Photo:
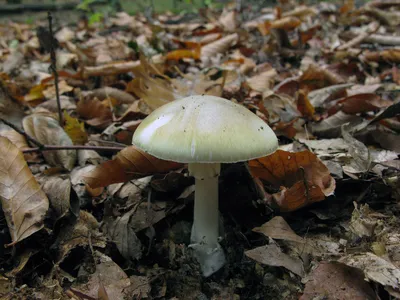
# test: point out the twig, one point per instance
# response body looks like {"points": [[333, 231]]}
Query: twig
{"points": [[32, 140], [53, 68], [74, 147]]}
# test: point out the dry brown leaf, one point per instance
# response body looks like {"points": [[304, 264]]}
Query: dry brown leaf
{"points": [[335, 280], [96, 112], [278, 228], [362, 103], [58, 191], [302, 177], [47, 131], [16, 138], [263, 81], [272, 255], [120, 230], [229, 21], [24, 203], [154, 90], [128, 164], [316, 77], [110, 69], [304, 106], [219, 46], [300, 12], [63, 87], [109, 92], [109, 281]]}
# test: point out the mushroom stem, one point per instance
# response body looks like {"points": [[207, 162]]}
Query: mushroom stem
{"points": [[205, 231]]}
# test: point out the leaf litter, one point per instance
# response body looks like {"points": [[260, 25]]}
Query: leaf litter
{"points": [[89, 216]]}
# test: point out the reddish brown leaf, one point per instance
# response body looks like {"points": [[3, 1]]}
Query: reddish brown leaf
{"points": [[128, 164], [316, 77], [304, 106], [303, 178], [362, 103], [96, 112]]}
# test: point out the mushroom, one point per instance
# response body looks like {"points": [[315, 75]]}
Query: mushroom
{"points": [[205, 131]]}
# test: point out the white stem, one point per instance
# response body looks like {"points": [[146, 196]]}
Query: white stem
{"points": [[205, 231], [205, 217]]}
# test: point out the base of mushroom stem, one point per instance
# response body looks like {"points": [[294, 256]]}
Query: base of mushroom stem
{"points": [[211, 259]]}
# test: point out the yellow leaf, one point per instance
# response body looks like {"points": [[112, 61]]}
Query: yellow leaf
{"points": [[35, 93], [75, 129]]}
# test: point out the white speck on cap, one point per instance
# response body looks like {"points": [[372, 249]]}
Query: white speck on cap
{"points": [[204, 129]]}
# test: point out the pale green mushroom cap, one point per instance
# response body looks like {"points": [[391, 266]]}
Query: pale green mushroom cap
{"points": [[205, 129]]}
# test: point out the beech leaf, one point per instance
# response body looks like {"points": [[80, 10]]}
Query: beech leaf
{"points": [[302, 177], [128, 164], [23, 202], [47, 131]]}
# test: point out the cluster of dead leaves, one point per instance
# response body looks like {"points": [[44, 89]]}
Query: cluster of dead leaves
{"points": [[324, 77]]}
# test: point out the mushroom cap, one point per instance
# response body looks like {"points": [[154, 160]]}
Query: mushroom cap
{"points": [[204, 129]]}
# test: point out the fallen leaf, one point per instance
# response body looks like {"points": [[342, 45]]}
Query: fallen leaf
{"points": [[278, 228], [361, 158], [219, 46], [61, 197], [316, 77], [263, 81], [375, 269], [122, 233], [304, 106], [336, 280], [272, 255], [35, 93], [96, 112], [130, 163], [63, 87], [109, 275], [362, 103], [109, 92], [83, 233], [75, 129], [184, 53], [303, 178], [24, 203], [47, 131]]}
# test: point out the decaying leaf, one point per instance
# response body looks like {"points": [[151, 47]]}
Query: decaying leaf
{"points": [[128, 164], [337, 281], [98, 113], [110, 278], [219, 46], [122, 233], [83, 233], [362, 103], [47, 131], [59, 191], [277, 228], [361, 158], [272, 255], [303, 178], [23, 202], [375, 269]]}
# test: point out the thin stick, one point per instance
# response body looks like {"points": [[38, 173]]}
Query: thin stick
{"points": [[53, 68], [29, 138], [74, 147]]}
